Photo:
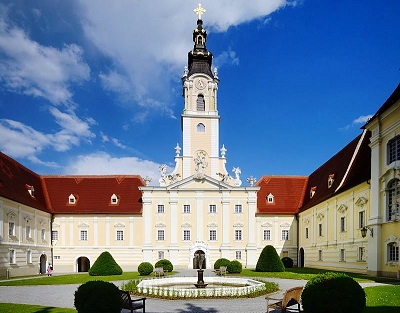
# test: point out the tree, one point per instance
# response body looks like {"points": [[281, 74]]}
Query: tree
{"points": [[269, 261], [105, 265]]}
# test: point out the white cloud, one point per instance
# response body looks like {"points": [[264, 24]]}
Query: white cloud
{"points": [[226, 57], [30, 68], [148, 41], [21, 141], [361, 120], [102, 163]]}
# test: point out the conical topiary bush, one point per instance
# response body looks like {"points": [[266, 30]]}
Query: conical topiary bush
{"points": [[105, 265], [269, 261]]}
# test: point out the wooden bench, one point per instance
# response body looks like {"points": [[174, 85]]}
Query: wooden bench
{"points": [[131, 305], [159, 271], [291, 297], [221, 271]]}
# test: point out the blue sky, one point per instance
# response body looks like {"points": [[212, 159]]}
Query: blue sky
{"points": [[93, 87]]}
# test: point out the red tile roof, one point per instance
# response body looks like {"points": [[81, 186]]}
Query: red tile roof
{"points": [[351, 167], [93, 194], [288, 192], [15, 182]]}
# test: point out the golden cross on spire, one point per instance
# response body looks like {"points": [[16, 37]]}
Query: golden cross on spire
{"points": [[199, 11]]}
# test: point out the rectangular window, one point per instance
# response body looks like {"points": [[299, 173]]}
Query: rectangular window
{"points": [[213, 208], [84, 235], [29, 256], [186, 235], [238, 234], [43, 234], [186, 208], [361, 253], [361, 219], [285, 234], [342, 255], [54, 235], [393, 253], [238, 255], [160, 235], [320, 230], [238, 208], [11, 228], [12, 256], [161, 255], [120, 235], [57, 257], [160, 208], [306, 232], [267, 234], [393, 149], [213, 235], [319, 255], [342, 224], [28, 231]]}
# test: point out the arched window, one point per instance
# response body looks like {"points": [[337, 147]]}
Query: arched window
{"points": [[201, 128], [393, 200], [201, 106]]}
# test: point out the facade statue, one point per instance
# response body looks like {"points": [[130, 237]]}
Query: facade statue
{"points": [[237, 172], [201, 164], [163, 173]]}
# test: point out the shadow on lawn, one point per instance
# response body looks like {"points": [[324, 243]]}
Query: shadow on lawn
{"points": [[382, 309]]}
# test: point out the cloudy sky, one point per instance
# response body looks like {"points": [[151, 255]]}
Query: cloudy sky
{"points": [[94, 87]]}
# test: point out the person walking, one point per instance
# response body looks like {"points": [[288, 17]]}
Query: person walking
{"points": [[49, 270]]}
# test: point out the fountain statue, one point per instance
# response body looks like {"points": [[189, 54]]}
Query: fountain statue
{"points": [[200, 281]]}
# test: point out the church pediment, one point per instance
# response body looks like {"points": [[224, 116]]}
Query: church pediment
{"points": [[192, 183]]}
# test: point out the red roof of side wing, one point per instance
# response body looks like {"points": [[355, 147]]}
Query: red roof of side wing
{"points": [[93, 194], [20, 184], [287, 192]]}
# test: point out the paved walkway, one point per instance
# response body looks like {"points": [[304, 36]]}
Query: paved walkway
{"points": [[63, 296]]}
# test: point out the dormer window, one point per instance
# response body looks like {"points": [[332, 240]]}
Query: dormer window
{"points": [[331, 179], [114, 199], [312, 191], [270, 198], [72, 199], [31, 190]]}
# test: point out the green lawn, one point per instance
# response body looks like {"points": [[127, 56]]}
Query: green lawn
{"points": [[383, 299], [67, 279], [25, 308]]}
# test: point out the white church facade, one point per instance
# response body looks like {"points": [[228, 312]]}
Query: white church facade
{"points": [[203, 206]]}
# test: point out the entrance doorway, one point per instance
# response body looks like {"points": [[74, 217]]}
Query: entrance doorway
{"points": [[83, 264], [42, 264], [301, 257], [195, 260]]}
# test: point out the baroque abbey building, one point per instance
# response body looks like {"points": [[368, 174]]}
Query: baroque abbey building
{"points": [[343, 216]]}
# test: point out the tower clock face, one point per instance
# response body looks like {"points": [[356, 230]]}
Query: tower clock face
{"points": [[200, 84]]}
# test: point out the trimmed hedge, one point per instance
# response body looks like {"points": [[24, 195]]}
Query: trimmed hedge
{"points": [[269, 261], [145, 268], [97, 296], [287, 262], [105, 265], [234, 267], [221, 262], [165, 264], [333, 293]]}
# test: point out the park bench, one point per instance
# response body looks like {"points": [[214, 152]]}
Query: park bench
{"points": [[221, 271], [159, 271], [291, 297], [131, 305]]}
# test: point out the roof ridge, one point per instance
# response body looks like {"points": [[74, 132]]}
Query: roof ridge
{"points": [[352, 160]]}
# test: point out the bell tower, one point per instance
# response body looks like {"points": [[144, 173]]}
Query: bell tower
{"points": [[200, 119]]}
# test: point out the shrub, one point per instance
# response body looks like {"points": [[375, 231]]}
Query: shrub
{"points": [[105, 265], [165, 264], [333, 293], [287, 262], [221, 262], [97, 296], [234, 267], [145, 268], [269, 261]]}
